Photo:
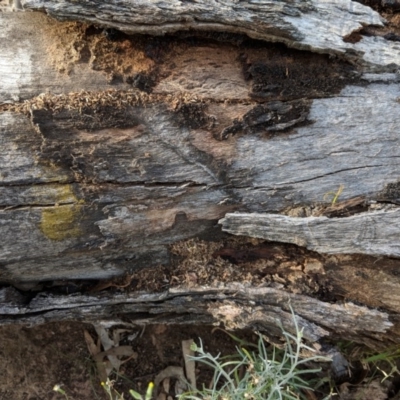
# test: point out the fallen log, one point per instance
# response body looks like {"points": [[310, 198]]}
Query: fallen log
{"points": [[117, 149], [237, 306]]}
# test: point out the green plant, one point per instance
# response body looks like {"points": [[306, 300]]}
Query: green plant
{"points": [[59, 389], [108, 386], [335, 195], [384, 363], [259, 374], [147, 396]]}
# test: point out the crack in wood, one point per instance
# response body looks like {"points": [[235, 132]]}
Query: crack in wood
{"points": [[31, 206], [332, 173], [315, 317]]}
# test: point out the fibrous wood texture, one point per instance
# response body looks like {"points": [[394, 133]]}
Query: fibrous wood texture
{"points": [[114, 148], [267, 308], [313, 25], [373, 233]]}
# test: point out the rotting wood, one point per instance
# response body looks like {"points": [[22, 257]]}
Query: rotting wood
{"points": [[235, 305], [102, 181], [80, 187], [74, 56], [306, 25]]}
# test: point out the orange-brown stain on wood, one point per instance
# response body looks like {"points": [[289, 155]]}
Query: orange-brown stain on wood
{"points": [[207, 71], [69, 43]]}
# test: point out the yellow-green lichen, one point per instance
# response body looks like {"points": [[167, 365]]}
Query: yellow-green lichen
{"points": [[62, 221]]}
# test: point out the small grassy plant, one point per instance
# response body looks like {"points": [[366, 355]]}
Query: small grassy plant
{"points": [[259, 374]]}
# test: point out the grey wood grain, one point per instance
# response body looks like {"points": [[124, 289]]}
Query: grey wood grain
{"points": [[119, 211], [373, 233], [97, 193], [314, 25], [155, 183], [350, 142], [25, 66], [234, 305]]}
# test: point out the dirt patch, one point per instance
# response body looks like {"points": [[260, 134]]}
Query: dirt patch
{"points": [[35, 359], [159, 347]]}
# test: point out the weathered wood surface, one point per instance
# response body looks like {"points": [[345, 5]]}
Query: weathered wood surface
{"points": [[117, 199], [172, 134], [319, 26], [373, 233], [31, 51], [235, 305]]}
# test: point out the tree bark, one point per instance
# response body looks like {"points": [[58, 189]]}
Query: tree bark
{"points": [[277, 119]]}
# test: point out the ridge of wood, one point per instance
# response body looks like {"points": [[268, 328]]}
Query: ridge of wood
{"points": [[236, 305], [318, 26], [373, 233]]}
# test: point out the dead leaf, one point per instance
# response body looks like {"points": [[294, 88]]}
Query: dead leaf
{"points": [[107, 345], [118, 352], [112, 351], [166, 385], [373, 390], [170, 372], [189, 363], [92, 347]]}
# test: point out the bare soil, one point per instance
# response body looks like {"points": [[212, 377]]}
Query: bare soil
{"points": [[35, 359]]}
